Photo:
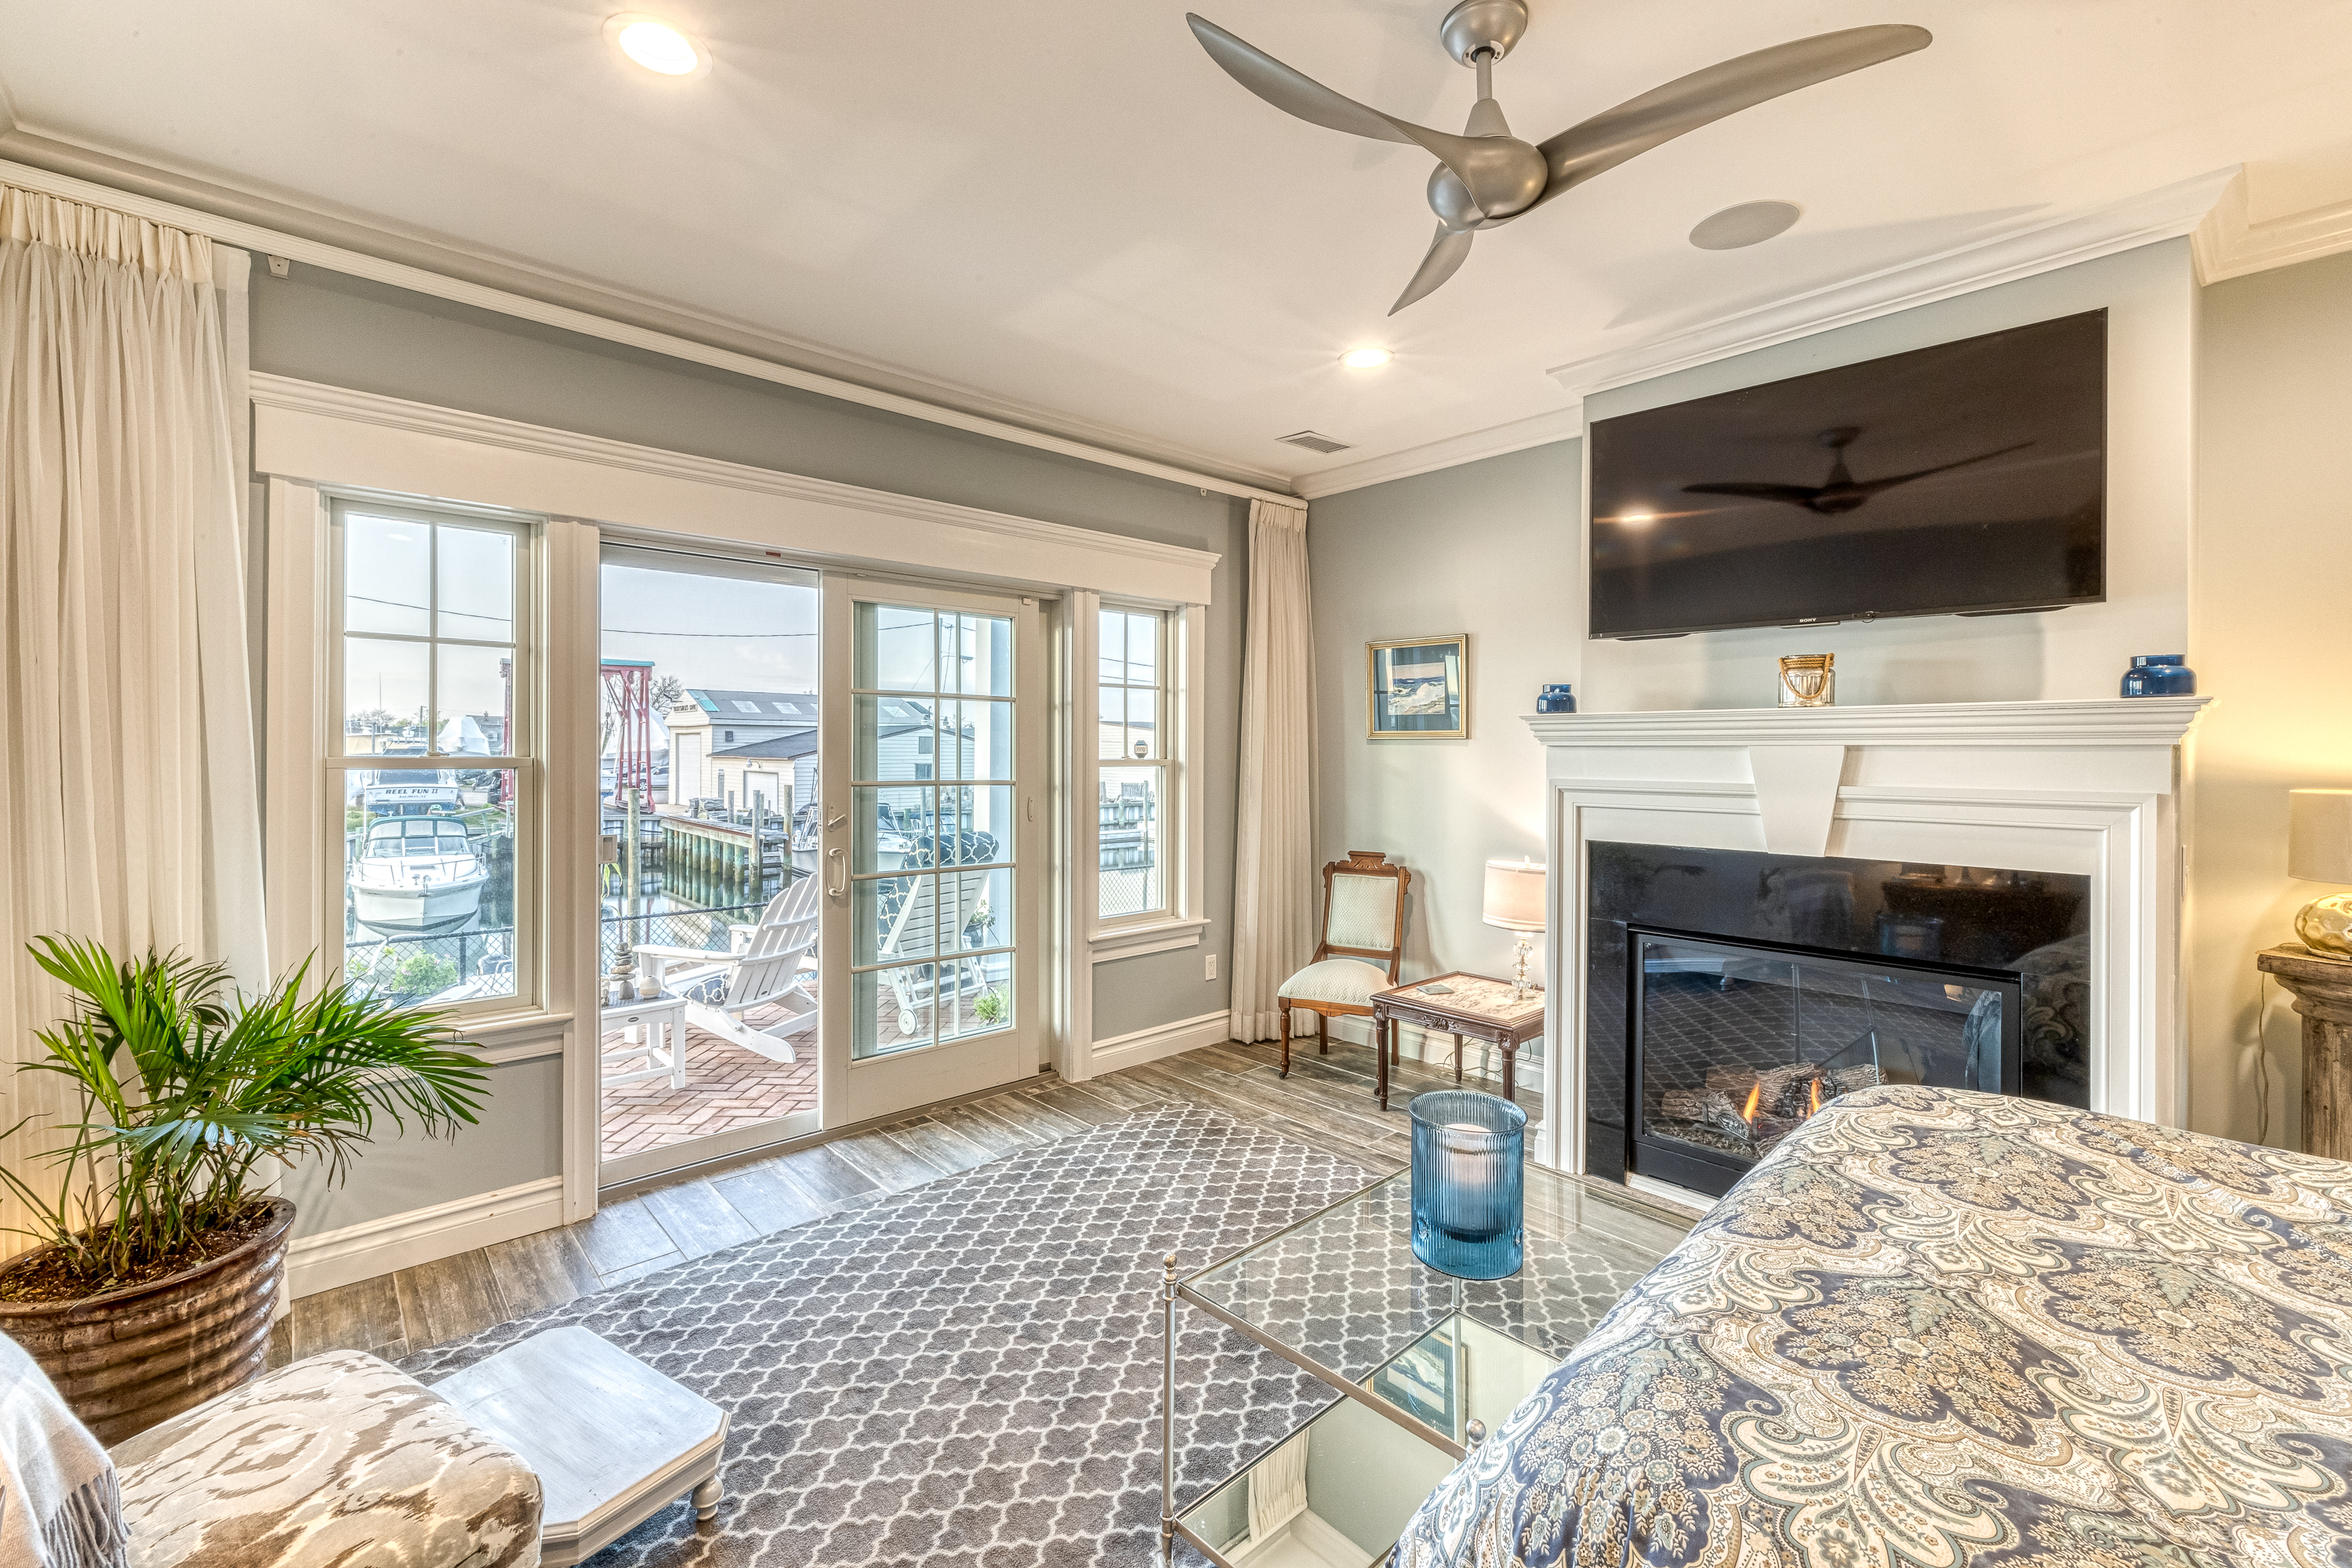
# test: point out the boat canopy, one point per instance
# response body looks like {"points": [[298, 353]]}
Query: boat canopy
{"points": [[440, 835]]}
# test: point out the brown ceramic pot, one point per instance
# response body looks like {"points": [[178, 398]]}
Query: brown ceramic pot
{"points": [[133, 1357]]}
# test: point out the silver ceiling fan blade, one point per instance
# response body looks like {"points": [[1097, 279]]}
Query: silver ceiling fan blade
{"points": [[1295, 93], [1446, 254], [1662, 113]]}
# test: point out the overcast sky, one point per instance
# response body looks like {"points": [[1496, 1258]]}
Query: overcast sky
{"points": [[727, 632]]}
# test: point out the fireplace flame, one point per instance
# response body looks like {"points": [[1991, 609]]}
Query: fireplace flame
{"points": [[1748, 1113], [1817, 1098]]}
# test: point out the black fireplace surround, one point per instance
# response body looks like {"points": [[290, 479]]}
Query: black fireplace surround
{"points": [[1734, 992]]}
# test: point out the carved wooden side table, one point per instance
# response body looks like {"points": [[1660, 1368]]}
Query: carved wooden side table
{"points": [[2322, 989], [1478, 1005]]}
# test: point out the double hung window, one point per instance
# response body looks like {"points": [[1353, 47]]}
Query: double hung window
{"points": [[430, 797], [1133, 713]]}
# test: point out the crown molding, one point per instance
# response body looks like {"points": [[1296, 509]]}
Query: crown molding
{"points": [[2226, 246], [447, 270], [1056, 552], [2167, 212], [1539, 430]]}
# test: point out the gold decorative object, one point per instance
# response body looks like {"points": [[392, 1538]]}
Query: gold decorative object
{"points": [[2319, 849], [1807, 681]]}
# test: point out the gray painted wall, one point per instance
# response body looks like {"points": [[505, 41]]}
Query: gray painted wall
{"points": [[345, 331], [1492, 548], [519, 1139]]}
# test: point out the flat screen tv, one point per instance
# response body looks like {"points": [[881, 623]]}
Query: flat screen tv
{"points": [[1965, 479]]}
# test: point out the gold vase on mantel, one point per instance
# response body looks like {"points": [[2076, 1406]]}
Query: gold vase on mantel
{"points": [[1809, 680]]}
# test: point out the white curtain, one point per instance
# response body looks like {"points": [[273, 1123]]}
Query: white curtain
{"points": [[127, 808], [1277, 1489], [1275, 885]]}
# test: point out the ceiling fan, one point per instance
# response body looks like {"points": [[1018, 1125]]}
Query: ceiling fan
{"points": [[1841, 492], [1487, 176]]}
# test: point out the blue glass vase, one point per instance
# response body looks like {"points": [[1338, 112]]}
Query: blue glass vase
{"points": [[1559, 697], [1469, 1199], [2159, 675]]}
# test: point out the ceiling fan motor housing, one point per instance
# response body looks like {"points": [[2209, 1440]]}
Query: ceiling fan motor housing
{"points": [[1476, 24]]}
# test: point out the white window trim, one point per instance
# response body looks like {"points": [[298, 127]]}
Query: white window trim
{"points": [[302, 720], [1183, 923]]}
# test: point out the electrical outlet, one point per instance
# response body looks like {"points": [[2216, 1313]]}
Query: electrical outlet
{"points": [[1213, 966]]}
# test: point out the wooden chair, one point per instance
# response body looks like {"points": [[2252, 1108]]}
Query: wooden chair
{"points": [[1363, 943], [767, 965]]}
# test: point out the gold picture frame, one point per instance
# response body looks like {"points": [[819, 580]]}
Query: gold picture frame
{"points": [[1418, 688]]}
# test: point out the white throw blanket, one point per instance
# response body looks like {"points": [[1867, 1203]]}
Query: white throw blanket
{"points": [[58, 1504]]}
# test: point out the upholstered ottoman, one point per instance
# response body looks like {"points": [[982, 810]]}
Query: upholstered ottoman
{"points": [[339, 1460]]}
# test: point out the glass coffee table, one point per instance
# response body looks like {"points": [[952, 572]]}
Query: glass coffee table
{"points": [[1424, 1363]]}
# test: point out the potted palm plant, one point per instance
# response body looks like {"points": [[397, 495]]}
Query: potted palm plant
{"points": [[161, 1253]]}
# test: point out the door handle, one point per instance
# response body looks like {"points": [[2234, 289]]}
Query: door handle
{"points": [[837, 860], [833, 824]]}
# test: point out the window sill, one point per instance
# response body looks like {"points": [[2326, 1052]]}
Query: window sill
{"points": [[1134, 941], [502, 1038]]}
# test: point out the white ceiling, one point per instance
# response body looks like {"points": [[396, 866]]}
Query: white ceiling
{"points": [[1069, 206]]}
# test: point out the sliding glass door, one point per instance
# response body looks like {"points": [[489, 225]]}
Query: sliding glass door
{"points": [[933, 763], [709, 901]]}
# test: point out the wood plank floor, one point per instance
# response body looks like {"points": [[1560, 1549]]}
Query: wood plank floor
{"points": [[1326, 1103]]}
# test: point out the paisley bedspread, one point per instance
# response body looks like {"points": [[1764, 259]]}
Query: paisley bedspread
{"points": [[1939, 1329]]}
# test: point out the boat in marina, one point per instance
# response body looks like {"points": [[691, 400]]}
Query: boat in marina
{"points": [[417, 870]]}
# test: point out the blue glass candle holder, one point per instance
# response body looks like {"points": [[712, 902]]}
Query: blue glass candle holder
{"points": [[1556, 698], [2159, 675], [1469, 1194]]}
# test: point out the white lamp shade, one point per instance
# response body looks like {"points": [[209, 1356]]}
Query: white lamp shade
{"points": [[2318, 834], [1515, 895]]}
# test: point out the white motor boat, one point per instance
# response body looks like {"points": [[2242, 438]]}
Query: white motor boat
{"points": [[416, 873]]}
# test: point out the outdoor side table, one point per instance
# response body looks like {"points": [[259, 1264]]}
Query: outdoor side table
{"points": [[614, 1441]]}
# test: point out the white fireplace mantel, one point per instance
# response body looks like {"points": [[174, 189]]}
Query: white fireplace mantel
{"points": [[2087, 788]]}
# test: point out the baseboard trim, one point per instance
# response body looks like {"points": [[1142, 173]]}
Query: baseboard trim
{"points": [[1160, 1041], [362, 1251]]}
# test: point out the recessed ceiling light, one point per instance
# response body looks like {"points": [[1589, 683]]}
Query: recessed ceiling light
{"points": [[1365, 359], [1749, 222], [656, 45]]}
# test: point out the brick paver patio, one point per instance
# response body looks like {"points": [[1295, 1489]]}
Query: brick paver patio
{"points": [[726, 1086]]}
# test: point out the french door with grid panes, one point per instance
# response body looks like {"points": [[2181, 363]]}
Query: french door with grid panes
{"points": [[934, 797]]}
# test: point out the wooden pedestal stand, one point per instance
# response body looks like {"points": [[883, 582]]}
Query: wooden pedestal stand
{"points": [[2322, 989]]}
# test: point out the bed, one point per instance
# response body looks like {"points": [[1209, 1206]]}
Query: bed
{"points": [[1940, 1329]]}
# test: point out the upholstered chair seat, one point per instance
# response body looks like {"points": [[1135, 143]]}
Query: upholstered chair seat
{"points": [[1348, 980], [1363, 941]]}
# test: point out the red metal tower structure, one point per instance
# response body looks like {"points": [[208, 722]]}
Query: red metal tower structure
{"points": [[629, 694]]}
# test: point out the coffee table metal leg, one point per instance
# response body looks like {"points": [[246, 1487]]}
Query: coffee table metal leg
{"points": [[1457, 1059], [1383, 1038], [706, 1499], [1510, 1066]]}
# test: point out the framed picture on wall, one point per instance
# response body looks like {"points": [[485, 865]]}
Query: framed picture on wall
{"points": [[1417, 689]]}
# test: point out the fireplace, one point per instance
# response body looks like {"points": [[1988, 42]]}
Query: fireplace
{"points": [[1733, 993], [2032, 843], [1734, 1044]]}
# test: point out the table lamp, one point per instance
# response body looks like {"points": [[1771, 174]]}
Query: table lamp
{"points": [[1514, 901], [2319, 849]]}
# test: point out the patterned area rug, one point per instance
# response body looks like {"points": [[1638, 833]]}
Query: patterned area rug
{"points": [[969, 1372]]}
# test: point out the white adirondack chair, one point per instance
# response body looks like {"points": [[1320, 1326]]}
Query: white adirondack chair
{"points": [[915, 931], [766, 964]]}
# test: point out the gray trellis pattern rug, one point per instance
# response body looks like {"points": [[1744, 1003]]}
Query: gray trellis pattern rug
{"points": [[969, 1372]]}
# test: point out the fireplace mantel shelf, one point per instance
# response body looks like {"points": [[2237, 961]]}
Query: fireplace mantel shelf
{"points": [[2107, 721]]}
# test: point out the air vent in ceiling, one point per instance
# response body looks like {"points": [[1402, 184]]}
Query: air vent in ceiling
{"points": [[1315, 443]]}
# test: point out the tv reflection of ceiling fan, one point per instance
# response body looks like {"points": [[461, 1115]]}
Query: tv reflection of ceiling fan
{"points": [[1841, 492]]}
